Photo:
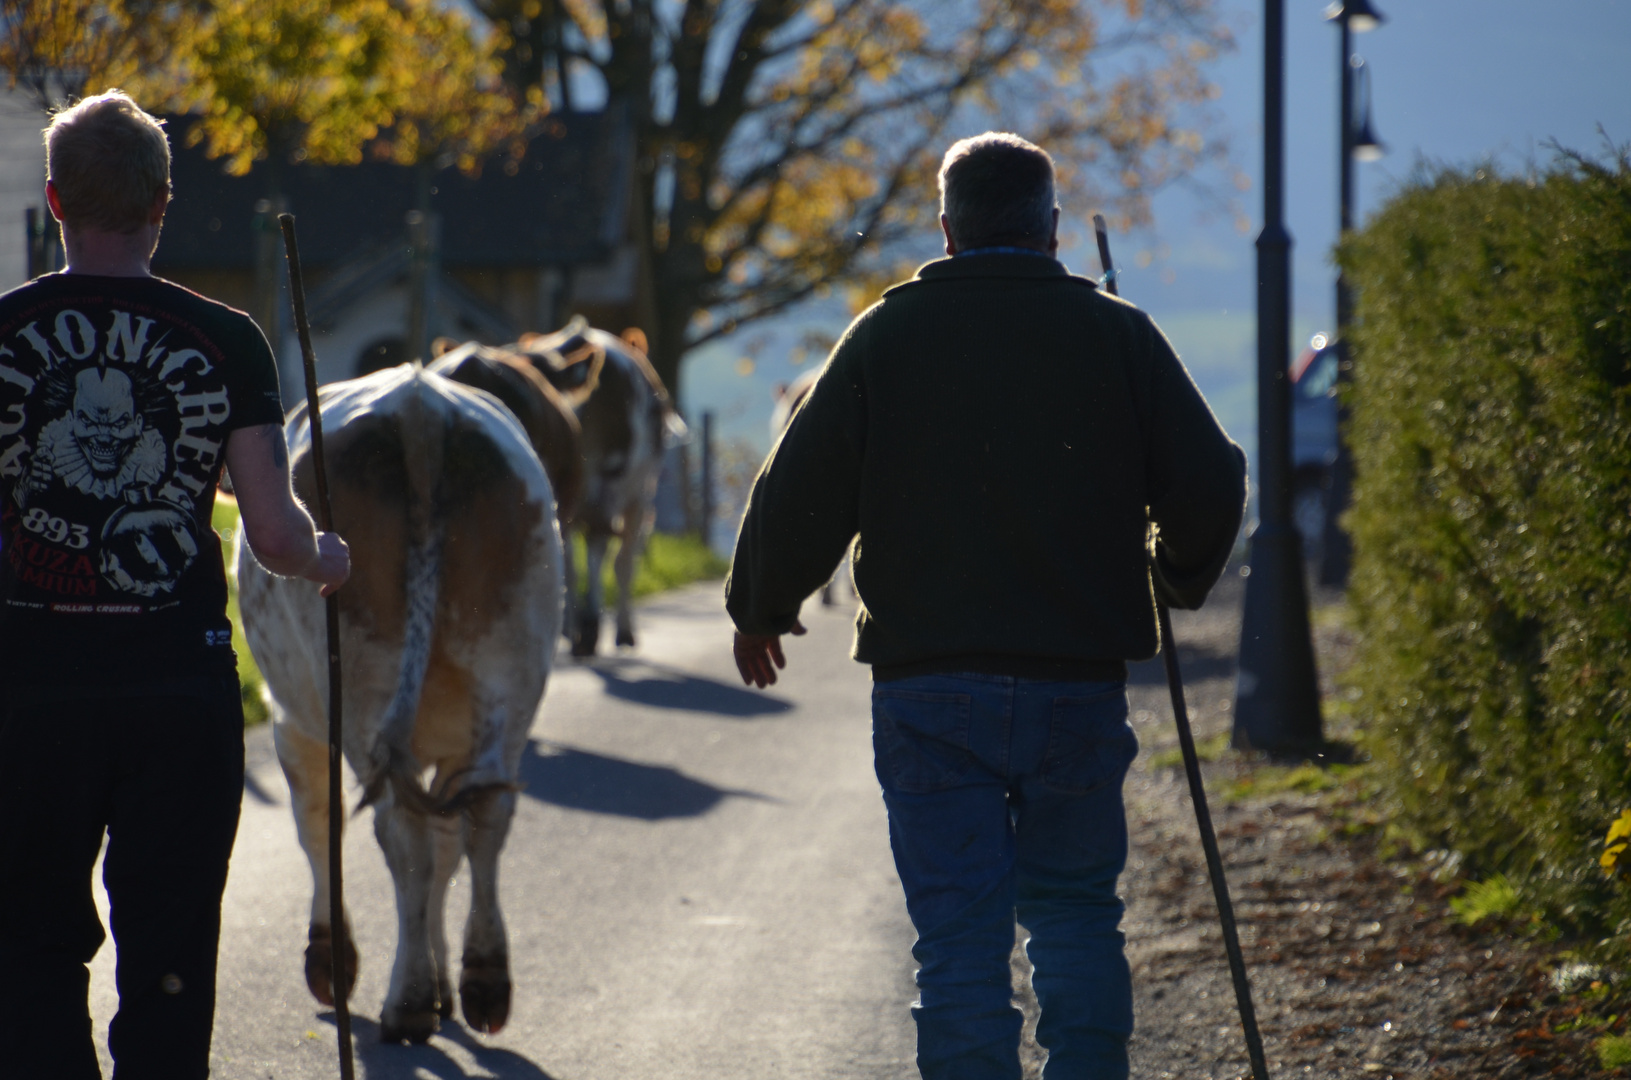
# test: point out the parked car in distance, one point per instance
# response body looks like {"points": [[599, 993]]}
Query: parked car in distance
{"points": [[1313, 438]]}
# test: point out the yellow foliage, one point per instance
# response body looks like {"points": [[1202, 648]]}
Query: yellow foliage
{"points": [[446, 91], [64, 49], [311, 76], [1617, 840]]}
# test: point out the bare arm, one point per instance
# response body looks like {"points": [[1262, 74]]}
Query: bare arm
{"points": [[279, 530]]}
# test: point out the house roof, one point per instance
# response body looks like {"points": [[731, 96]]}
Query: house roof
{"points": [[563, 203]]}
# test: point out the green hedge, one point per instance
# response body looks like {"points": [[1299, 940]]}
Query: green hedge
{"points": [[1491, 431]]}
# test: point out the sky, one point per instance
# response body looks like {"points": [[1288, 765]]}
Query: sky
{"points": [[1458, 82]]}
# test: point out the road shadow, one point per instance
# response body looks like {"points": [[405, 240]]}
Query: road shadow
{"points": [[257, 791], [644, 683], [395, 1061], [579, 780]]}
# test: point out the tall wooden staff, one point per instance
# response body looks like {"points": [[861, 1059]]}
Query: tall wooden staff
{"points": [[341, 978], [1192, 767]]}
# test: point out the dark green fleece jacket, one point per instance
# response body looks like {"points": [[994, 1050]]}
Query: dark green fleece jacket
{"points": [[1001, 436]]}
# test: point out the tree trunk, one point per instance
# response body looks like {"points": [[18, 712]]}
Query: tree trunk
{"points": [[269, 240], [268, 269], [679, 277], [668, 343], [424, 240]]}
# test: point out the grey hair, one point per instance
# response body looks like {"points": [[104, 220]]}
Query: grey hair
{"points": [[997, 188]]}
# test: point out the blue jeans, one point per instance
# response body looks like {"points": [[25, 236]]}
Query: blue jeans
{"points": [[1004, 796]]}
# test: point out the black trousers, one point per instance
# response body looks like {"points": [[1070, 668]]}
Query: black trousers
{"points": [[160, 770]]}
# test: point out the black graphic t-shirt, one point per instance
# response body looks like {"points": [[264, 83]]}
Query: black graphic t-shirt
{"points": [[116, 399]]}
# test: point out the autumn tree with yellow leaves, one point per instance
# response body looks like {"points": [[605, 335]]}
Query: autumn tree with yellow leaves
{"points": [[452, 108], [55, 49], [287, 82], [787, 146], [281, 81]]}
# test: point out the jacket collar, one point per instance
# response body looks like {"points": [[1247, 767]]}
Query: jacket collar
{"points": [[994, 265]]}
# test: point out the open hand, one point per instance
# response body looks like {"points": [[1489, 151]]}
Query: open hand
{"points": [[759, 655]]}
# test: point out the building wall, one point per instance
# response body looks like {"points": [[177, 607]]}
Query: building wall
{"points": [[22, 180], [522, 293], [380, 316]]}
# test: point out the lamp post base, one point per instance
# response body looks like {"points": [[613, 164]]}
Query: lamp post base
{"points": [[1277, 701]]}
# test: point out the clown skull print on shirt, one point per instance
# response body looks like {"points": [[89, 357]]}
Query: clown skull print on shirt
{"points": [[117, 396]]}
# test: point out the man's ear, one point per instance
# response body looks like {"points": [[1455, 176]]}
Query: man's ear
{"points": [[53, 200], [161, 203], [1053, 234], [945, 227]]}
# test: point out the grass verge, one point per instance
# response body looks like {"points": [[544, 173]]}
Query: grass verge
{"points": [[225, 521], [669, 561], [1210, 748]]}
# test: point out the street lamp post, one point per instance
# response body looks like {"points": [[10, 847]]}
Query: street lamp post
{"points": [[1277, 705], [1351, 17]]}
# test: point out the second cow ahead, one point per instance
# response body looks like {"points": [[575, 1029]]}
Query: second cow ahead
{"points": [[600, 419]]}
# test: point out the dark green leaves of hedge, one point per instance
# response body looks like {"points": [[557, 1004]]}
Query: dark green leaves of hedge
{"points": [[1492, 520]]}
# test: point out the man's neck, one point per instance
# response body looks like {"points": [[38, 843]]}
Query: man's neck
{"points": [[109, 254]]}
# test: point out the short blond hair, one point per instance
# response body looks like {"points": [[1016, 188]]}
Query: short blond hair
{"points": [[108, 160]]}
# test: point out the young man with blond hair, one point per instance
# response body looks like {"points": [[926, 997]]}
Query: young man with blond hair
{"points": [[1001, 441], [122, 398]]}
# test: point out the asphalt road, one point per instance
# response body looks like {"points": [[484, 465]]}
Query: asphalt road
{"points": [[697, 884]]}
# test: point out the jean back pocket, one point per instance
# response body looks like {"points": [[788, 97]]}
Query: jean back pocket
{"points": [[922, 738], [1090, 743]]}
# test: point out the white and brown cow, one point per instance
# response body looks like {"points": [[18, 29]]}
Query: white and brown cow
{"points": [[448, 631], [627, 418]]}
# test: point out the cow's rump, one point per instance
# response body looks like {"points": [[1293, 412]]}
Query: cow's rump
{"points": [[448, 630]]}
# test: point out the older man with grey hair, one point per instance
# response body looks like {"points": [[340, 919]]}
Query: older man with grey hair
{"points": [[1018, 459]]}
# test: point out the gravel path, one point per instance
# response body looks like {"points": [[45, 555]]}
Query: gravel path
{"points": [[1357, 969]]}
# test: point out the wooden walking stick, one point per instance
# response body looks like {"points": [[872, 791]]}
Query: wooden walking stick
{"points": [[341, 978], [1192, 768]]}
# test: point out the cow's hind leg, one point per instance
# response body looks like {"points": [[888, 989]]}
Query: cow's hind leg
{"points": [[569, 590], [410, 1004], [484, 983], [628, 557], [587, 634], [447, 845], [305, 766]]}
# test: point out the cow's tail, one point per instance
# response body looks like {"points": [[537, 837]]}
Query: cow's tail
{"points": [[391, 760]]}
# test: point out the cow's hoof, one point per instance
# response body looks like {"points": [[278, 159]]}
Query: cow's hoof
{"points": [[586, 636], [625, 637], [484, 991], [398, 1025], [444, 999], [320, 965]]}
